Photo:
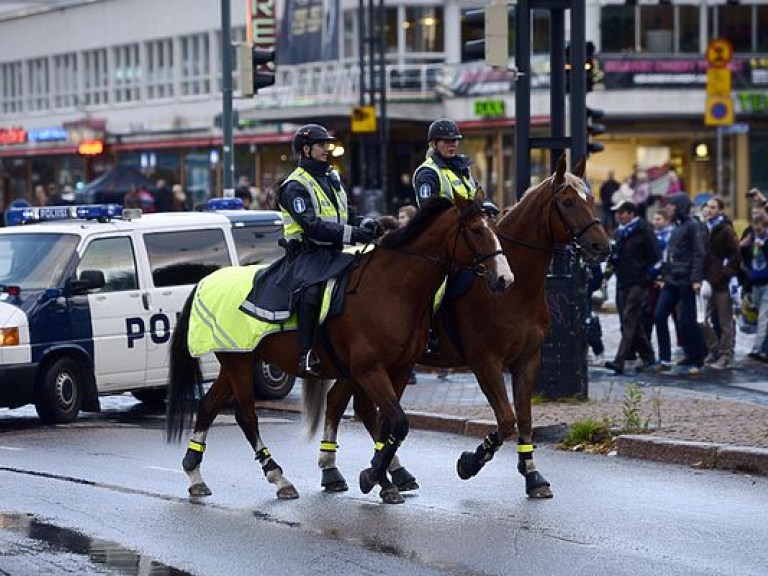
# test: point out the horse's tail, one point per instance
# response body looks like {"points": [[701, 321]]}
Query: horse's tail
{"points": [[314, 391], [185, 379]]}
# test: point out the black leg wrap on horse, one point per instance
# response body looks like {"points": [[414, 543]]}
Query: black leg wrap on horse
{"points": [[266, 461], [382, 457], [331, 476], [470, 463], [194, 455], [524, 454], [404, 480]]}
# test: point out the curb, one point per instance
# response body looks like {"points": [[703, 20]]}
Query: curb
{"points": [[707, 455], [701, 455]]}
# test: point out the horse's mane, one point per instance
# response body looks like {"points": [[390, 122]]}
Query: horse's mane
{"points": [[430, 209], [571, 180]]}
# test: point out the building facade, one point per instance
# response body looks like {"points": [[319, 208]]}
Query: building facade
{"points": [[90, 84]]}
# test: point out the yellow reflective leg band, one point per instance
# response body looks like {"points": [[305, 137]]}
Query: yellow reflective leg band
{"points": [[524, 448], [196, 446], [328, 446], [378, 446]]}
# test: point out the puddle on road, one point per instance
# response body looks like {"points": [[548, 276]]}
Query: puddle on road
{"points": [[100, 552]]}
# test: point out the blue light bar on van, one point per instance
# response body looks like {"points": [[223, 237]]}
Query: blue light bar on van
{"points": [[27, 215], [224, 204]]}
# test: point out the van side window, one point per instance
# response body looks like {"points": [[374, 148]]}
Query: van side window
{"points": [[115, 259], [257, 244], [186, 257]]}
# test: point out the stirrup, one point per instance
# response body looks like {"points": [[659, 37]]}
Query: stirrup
{"points": [[309, 364]]}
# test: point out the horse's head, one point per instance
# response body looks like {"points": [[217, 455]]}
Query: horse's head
{"points": [[476, 245], [575, 206]]}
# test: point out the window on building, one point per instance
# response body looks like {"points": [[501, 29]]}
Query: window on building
{"points": [[38, 86], [237, 36], [12, 87], [423, 28], [657, 28], [689, 29], [126, 73], [617, 28], [95, 77], [761, 20], [65, 80], [733, 23], [195, 65], [159, 69]]}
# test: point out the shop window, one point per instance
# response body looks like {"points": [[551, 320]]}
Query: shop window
{"points": [[657, 24], [733, 23], [617, 28], [423, 27], [38, 86], [689, 29]]}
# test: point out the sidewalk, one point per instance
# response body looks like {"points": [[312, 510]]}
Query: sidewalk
{"points": [[718, 420]]}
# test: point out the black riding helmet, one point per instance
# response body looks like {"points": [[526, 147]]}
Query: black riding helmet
{"points": [[443, 129], [309, 134]]}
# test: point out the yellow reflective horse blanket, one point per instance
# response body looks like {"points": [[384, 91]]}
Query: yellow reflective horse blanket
{"points": [[216, 323]]}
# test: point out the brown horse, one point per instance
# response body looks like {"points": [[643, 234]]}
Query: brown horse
{"points": [[376, 340], [499, 333]]}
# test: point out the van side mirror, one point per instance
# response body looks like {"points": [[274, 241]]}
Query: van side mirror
{"points": [[89, 280]]}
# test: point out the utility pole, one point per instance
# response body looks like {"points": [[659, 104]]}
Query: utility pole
{"points": [[227, 155]]}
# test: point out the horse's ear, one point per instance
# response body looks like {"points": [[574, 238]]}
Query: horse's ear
{"points": [[480, 194], [560, 172], [580, 168]]}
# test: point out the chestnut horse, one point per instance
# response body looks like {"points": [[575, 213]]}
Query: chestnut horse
{"points": [[498, 333], [375, 340]]}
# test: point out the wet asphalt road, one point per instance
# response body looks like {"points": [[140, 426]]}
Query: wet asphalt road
{"points": [[114, 479]]}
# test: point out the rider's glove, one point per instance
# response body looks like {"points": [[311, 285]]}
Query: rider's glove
{"points": [[361, 235], [376, 229]]}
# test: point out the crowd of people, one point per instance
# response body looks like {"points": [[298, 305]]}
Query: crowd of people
{"points": [[674, 262]]}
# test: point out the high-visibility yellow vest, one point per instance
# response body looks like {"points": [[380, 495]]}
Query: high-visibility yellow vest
{"points": [[324, 208], [450, 182]]}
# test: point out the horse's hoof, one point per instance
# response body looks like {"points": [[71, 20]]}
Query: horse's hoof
{"points": [[404, 480], [536, 486], [199, 489], [368, 479], [333, 481], [391, 495], [467, 465], [287, 493]]}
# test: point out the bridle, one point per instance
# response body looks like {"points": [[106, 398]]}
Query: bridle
{"points": [[576, 235]]}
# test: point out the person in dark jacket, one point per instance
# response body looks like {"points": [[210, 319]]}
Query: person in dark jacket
{"points": [[681, 276], [636, 252], [444, 172], [163, 197], [754, 251], [317, 223], [722, 263]]}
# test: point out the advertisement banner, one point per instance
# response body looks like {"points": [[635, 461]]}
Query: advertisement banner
{"points": [[309, 32]]}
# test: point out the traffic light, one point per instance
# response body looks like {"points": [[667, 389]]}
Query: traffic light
{"points": [[256, 68], [591, 67], [594, 129], [493, 24]]}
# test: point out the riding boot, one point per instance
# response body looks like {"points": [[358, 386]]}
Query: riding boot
{"points": [[433, 342], [309, 361]]}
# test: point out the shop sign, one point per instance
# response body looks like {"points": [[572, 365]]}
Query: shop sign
{"points": [[752, 102], [91, 148], [52, 134], [490, 108], [622, 73], [13, 136]]}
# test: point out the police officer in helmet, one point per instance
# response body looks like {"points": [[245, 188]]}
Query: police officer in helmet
{"points": [[317, 223], [444, 172]]}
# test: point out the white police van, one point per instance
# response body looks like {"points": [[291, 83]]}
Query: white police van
{"points": [[89, 296]]}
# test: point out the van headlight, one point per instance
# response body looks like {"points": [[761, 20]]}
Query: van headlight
{"points": [[9, 336]]}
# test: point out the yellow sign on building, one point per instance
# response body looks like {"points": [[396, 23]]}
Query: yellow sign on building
{"points": [[718, 82], [719, 111], [363, 119]]}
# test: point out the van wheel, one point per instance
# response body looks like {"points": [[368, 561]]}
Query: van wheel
{"points": [[271, 383], [60, 394], [153, 397]]}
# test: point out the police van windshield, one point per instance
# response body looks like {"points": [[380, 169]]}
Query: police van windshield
{"points": [[35, 261]]}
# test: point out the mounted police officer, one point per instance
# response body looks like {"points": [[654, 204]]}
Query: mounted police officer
{"points": [[444, 172], [317, 223]]}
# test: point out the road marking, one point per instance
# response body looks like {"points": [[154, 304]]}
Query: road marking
{"points": [[163, 469], [12, 448]]}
